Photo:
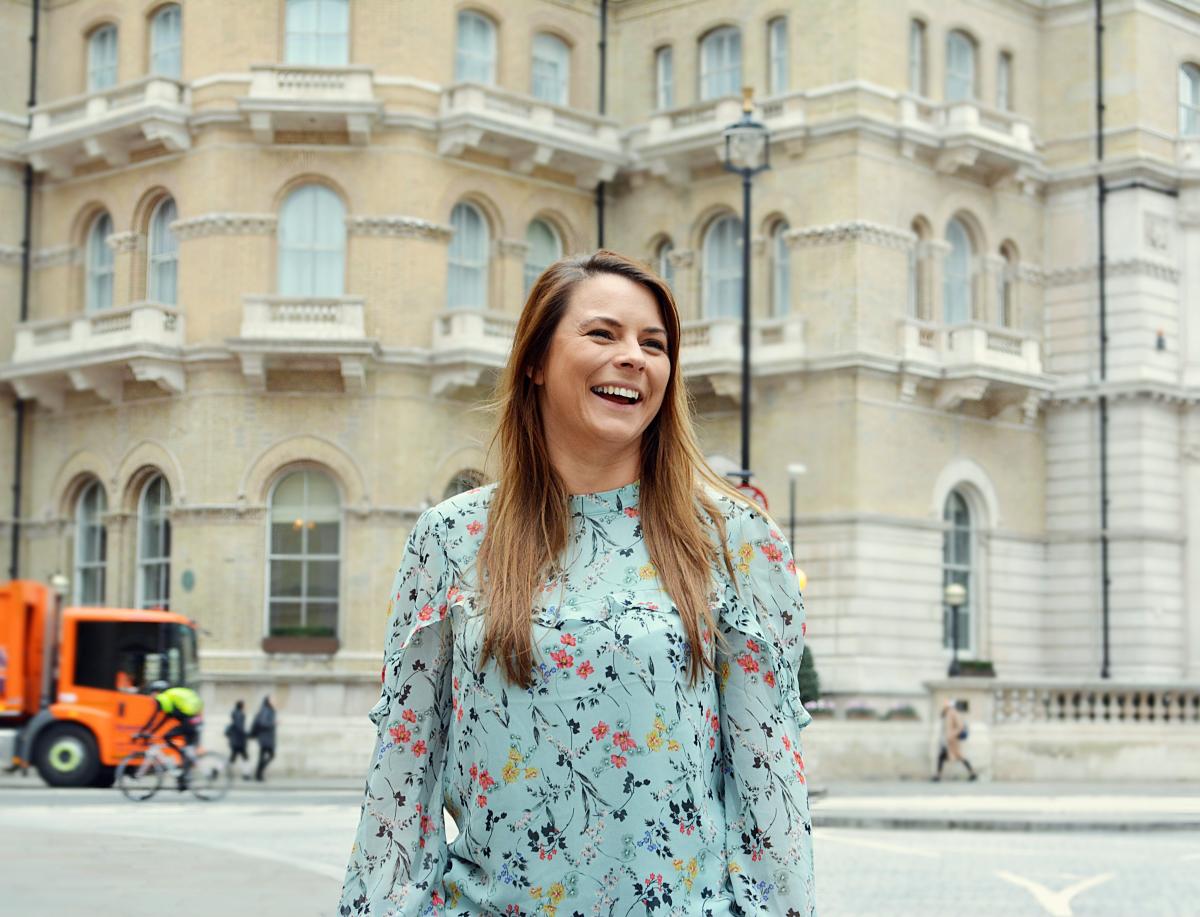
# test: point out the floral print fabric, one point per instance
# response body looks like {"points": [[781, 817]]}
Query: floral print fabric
{"points": [[611, 786]]}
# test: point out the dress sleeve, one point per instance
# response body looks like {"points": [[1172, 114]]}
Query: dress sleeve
{"points": [[400, 852], [768, 836]]}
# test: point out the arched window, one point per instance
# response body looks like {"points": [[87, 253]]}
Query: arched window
{"points": [[723, 268], [960, 67], [957, 544], [1004, 78], [777, 64], [918, 82], [91, 545], [662, 257], [957, 294], [664, 78], [1006, 286], [318, 32], [163, 256], [466, 286], [466, 479], [781, 274], [721, 63], [475, 53], [102, 58], [154, 545], [99, 266], [1189, 100], [305, 556], [312, 243], [543, 248], [551, 68], [166, 42]]}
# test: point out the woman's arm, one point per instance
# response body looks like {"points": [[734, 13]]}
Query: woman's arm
{"points": [[400, 851], [768, 825]]}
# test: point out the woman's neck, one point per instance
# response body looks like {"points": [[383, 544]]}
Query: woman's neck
{"points": [[594, 469]]}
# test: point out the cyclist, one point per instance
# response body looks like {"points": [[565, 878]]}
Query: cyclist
{"points": [[184, 706]]}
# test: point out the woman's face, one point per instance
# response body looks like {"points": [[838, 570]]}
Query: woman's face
{"points": [[605, 372]]}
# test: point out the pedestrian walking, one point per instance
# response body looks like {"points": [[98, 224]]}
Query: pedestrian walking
{"points": [[235, 733], [593, 661], [262, 730], [954, 733]]}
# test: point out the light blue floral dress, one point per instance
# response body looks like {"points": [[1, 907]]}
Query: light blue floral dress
{"points": [[611, 787]]}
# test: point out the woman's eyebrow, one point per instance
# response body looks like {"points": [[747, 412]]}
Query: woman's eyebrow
{"points": [[613, 323]]}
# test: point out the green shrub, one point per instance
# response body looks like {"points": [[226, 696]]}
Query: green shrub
{"points": [[809, 683]]}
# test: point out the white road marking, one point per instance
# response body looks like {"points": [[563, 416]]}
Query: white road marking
{"points": [[828, 835], [1190, 856], [1057, 904]]}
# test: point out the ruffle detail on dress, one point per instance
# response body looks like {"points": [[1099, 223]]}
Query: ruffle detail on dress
{"points": [[735, 613]]}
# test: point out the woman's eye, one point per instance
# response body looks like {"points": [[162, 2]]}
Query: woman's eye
{"points": [[657, 345], [607, 335]]}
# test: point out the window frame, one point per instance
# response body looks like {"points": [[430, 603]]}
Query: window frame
{"points": [[732, 38], [728, 274], [1189, 108], [98, 565], [462, 56], [157, 259], [98, 265], [317, 35], [1004, 81], [460, 260], [662, 259], [954, 570], [780, 274], [531, 270], [160, 14], [562, 86], [972, 78], [304, 557], [109, 67], [308, 251], [918, 57], [778, 56], [664, 78], [967, 279], [161, 561]]}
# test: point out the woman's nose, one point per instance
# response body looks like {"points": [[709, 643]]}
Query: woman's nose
{"points": [[631, 355]]}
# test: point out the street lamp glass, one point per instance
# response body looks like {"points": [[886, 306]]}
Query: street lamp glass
{"points": [[745, 145]]}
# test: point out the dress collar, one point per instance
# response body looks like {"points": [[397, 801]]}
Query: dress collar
{"points": [[606, 501]]}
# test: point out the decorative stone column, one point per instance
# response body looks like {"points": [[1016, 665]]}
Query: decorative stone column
{"points": [[507, 293], [687, 286], [988, 307], [936, 272], [129, 282]]}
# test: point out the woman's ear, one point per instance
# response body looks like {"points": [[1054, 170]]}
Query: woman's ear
{"points": [[536, 376]]}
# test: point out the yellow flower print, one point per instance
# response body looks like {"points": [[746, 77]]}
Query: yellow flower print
{"points": [[692, 869], [557, 893], [647, 571], [391, 607], [510, 772], [535, 892], [530, 773], [654, 741], [734, 868], [549, 910], [672, 745], [659, 725], [514, 755], [724, 673]]}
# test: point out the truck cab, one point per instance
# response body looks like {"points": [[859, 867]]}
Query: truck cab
{"points": [[74, 681]]}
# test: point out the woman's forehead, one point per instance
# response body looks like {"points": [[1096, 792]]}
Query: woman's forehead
{"points": [[614, 297]]}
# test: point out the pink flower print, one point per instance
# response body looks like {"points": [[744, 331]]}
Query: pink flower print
{"points": [[475, 527], [752, 646], [426, 613], [769, 678], [564, 659], [409, 716], [474, 771], [486, 781], [585, 669], [776, 535], [419, 747], [772, 552], [803, 628], [748, 663], [567, 639], [791, 566], [631, 512], [399, 733], [619, 760], [481, 800], [600, 730], [787, 743], [624, 741]]}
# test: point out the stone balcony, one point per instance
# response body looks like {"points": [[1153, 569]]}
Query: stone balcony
{"points": [[304, 98], [470, 347], [98, 353], [528, 133], [678, 140], [973, 362], [302, 333], [992, 146], [108, 125]]}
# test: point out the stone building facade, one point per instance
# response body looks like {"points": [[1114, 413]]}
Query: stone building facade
{"points": [[278, 249]]}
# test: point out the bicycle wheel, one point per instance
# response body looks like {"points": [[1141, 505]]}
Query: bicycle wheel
{"points": [[139, 776], [210, 777]]}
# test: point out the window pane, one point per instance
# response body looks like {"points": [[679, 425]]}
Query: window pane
{"points": [[99, 265], [916, 57], [165, 39], [723, 268], [664, 69], [312, 243], [284, 615], [323, 578], [780, 271], [1003, 81], [102, 58], [957, 288], [960, 68], [323, 537], [475, 54], [551, 62], [286, 538], [466, 282], [543, 250], [318, 32], [286, 578], [778, 40], [721, 64], [322, 616]]}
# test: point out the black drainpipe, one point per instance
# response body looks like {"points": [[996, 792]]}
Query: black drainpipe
{"points": [[603, 110], [26, 258]]}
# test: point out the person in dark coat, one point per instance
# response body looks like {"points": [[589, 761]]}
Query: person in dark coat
{"points": [[262, 730], [235, 732]]}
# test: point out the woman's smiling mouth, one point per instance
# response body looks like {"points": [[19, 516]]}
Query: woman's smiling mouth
{"points": [[617, 394]]}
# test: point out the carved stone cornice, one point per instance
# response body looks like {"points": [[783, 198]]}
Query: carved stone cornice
{"points": [[398, 227], [1030, 273], [224, 224], [512, 248], [851, 231], [682, 259], [1126, 267], [55, 256], [125, 242]]}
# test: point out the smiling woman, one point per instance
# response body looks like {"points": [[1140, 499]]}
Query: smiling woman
{"points": [[608, 631]]}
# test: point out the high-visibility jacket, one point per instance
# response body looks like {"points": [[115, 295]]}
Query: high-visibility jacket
{"points": [[181, 703]]}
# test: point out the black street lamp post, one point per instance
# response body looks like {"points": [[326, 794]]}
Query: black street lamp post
{"points": [[747, 152], [955, 595]]}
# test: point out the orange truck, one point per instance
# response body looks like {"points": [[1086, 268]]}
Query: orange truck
{"points": [[74, 681]]}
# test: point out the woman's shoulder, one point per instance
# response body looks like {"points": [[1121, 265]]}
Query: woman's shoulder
{"points": [[743, 519], [461, 509]]}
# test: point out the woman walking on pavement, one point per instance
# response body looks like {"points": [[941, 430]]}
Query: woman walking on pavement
{"points": [[954, 733], [235, 732], [262, 730], [591, 663]]}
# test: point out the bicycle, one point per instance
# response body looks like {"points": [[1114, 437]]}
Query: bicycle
{"points": [[140, 774]]}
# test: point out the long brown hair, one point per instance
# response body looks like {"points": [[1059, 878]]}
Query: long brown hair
{"points": [[529, 517]]}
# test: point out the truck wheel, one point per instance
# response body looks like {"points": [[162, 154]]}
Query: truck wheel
{"points": [[66, 756]]}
